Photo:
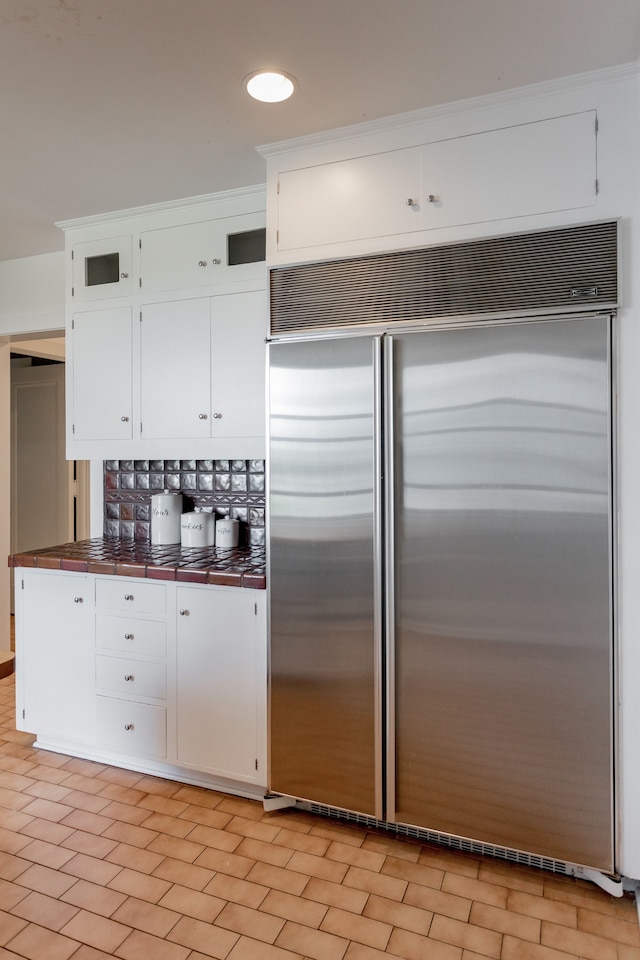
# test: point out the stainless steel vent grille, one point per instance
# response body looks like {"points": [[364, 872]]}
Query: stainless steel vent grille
{"points": [[443, 839], [570, 267]]}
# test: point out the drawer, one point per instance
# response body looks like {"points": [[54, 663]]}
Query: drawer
{"points": [[131, 635], [138, 677], [131, 727], [131, 594]]}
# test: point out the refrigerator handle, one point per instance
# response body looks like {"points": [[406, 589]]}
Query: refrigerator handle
{"points": [[388, 514]]}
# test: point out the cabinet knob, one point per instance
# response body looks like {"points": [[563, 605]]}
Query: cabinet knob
{"points": [[202, 263], [410, 202], [128, 596], [125, 419], [128, 636], [128, 726], [129, 676], [431, 198], [124, 276], [184, 613], [202, 416], [216, 261], [217, 416], [77, 599]]}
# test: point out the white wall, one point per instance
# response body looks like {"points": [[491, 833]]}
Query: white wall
{"points": [[32, 294], [31, 301]]}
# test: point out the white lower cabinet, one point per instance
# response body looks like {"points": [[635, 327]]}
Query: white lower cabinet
{"points": [[130, 727], [54, 687], [158, 676], [221, 676], [131, 665]]}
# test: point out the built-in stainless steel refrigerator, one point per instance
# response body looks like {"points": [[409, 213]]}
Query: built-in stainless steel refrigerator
{"points": [[440, 575]]}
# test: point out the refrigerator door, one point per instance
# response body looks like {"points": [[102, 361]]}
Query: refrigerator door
{"points": [[323, 573], [503, 641]]}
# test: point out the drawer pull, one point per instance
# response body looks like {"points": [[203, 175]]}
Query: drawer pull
{"points": [[129, 676], [128, 726], [128, 636], [128, 596]]}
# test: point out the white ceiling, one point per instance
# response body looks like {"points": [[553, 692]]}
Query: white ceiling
{"points": [[109, 104]]}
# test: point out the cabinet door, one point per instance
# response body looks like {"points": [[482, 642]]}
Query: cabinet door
{"points": [[516, 171], [238, 356], [54, 644], [101, 269], [217, 691], [349, 200], [202, 254], [175, 369], [101, 374], [238, 248], [175, 258]]}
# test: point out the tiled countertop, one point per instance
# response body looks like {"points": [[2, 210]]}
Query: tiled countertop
{"points": [[240, 567]]}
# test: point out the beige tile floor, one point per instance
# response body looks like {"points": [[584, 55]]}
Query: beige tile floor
{"points": [[101, 862]]}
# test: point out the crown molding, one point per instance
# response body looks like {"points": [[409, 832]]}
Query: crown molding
{"points": [[222, 196], [546, 88]]}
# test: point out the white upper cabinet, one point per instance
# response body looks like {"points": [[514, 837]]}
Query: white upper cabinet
{"points": [[174, 362], [515, 171], [99, 381], [349, 200], [175, 370], [202, 254], [238, 359], [101, 269]]}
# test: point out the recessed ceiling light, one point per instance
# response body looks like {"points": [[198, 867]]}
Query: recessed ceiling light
{"points": [[270, 86]]}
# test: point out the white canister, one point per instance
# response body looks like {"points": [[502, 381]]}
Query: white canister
{"points": [[166, 509], [227, 531], [197, 529]]}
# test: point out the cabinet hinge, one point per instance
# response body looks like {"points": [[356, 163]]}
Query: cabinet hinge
{"points": [[278, 187], [256, 763], [22, 584], [73, 324], [140, 282], [277, 236], [597, 126], [24, 714], [73, 292], [141, 316], [597, 187], [73, 253], [140, 243], [141, 428], [255, 609]]}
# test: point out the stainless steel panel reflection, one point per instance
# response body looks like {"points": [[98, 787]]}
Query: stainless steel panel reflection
{"points": [[323, 643], [503, 587]]}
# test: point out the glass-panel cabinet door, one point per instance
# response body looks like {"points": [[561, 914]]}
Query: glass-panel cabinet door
{"points": [[101, 269]]}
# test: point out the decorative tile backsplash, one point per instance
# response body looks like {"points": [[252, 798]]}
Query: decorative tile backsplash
{"points": [[233, 488]]}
